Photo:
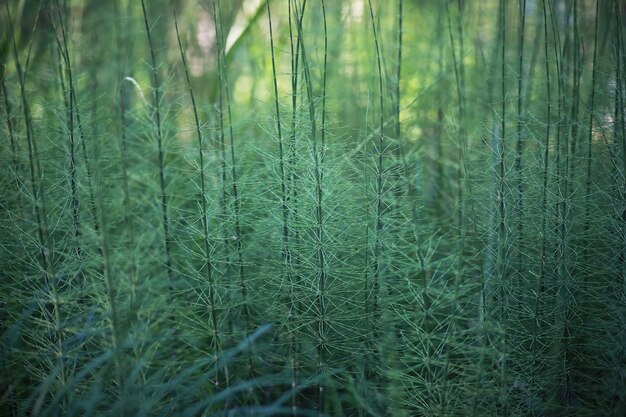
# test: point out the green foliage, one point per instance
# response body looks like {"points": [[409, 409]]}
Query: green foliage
{"points": [[355, 207]]}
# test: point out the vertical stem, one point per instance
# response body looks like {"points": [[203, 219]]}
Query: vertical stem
{"points": [[285, 250], [207, 260], [502, 230], [324, 79], [380, 212], [319, 176], [281, 152], [562, 393], [398, 75], [541, 280], [157, 120], [10, 128], [128, 218], [591, 109], [459, 74], [519, 203], [73, 111], [292, 195], [124, 103], [319, 213], [117, 334], [37, 189], [237, 237], [69, 109]]}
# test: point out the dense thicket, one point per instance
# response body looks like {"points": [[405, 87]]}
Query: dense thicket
{"points": [[346, 207]]}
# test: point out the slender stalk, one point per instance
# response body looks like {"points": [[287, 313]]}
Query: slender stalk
{"points": [[501, 267], [519, 149], [222, 145], [292, 196], [117, 332], [459, 74], [319, 176], [620, 130], [398, 77], [591, 109], [281, 151], [122, 108], [10, 128], [324, 82], [243, 285], [573, 44], [157, 120], [367, 268], [293, 155], [37, 189], [541, 280], [285, 250], [128, 217], [319, 213], [68, 98], [380, 212], [562, 393], [73, 111], [402, 172], [207, 262]]}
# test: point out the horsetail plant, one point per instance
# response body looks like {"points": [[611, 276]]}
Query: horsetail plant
{"points": [[207, 263], [9, 122], [129, 224], [375, 371], [540, 287], [68, 98], [503, 295], [459, 75], [519, 147], [591, 109], [502, 234], [286, 272], [48, 281], [320, 266], [562, 390], [161, 152], [237, 237], [296, 308], [73, 112]]}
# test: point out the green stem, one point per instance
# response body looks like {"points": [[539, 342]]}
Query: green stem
{"points": [[207, 261], [380, 214], [157, 119]]}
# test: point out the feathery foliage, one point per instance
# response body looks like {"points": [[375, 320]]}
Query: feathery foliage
{"points": [[312, 207]]}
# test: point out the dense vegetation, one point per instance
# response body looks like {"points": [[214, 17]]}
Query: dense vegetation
{"points": [[322, 207]]}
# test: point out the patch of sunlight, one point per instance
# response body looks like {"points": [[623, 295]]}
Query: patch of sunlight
{"points": [[353, 11], [244, 86], [206, 31], [406, 114], [242, 20], [414, 134], [205, 37], [37, 111]]}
